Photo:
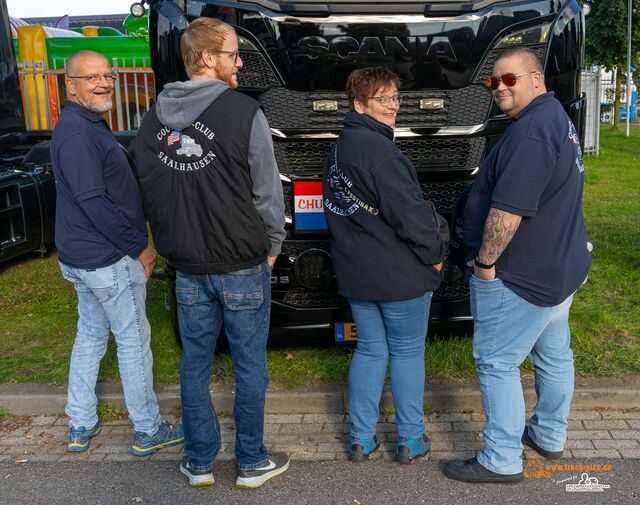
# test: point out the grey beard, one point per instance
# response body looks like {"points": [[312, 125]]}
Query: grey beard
{"points": [[96, 108]]}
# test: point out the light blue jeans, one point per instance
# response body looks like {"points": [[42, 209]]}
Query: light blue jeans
{"points": [[388, 329], [113, 298], [240, 300], [507, 329]]}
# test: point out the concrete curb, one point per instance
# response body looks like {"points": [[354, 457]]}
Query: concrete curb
{"points": [[590, 393]]}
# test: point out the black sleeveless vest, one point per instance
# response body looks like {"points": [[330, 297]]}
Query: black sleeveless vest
{"points": [[197, 189]]}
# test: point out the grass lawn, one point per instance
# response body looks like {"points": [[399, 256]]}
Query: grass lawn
{"points": [[38, 308]]}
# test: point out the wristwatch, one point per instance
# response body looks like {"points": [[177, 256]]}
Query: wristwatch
{"points": [[484, 265]]}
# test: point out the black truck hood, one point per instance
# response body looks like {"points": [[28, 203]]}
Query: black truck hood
{"points": [[307, 46], [298, 56], [12, 130]]}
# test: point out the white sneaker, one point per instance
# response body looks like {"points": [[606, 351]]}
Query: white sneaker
{"points": [[251, 479], [197, 478]]}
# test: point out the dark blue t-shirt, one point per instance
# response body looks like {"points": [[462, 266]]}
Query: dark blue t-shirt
{"points": [[536, 171], [99, 216]]}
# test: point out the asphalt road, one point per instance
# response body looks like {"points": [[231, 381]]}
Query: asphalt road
{"points": [[374, 482]]}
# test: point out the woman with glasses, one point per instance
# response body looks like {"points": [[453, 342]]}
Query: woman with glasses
{"points": [[387, 254]]}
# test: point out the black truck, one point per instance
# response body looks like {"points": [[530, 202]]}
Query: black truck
{"points": [[27, 189], [297, 55]]}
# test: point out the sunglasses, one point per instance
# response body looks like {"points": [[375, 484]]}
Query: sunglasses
{"points": [[509, 79]]}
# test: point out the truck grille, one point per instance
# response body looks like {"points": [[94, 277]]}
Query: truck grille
{"points": [[294, 248], [451, 291], [308, 158], [443, 153], [287, 189], [256, 72], [301, 158], [301, 297], [293, 110], [443, 195]]}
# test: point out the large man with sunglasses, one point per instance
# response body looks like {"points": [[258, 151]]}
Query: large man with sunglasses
{"points": [[528, 252], [103, 250], [212, 192]]}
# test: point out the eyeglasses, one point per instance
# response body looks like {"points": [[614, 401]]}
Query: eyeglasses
{"points": [[233, 54], [509, 79], [387, 101], [95, 78]]}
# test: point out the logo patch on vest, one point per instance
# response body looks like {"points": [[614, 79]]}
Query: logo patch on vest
{"points": [[180, 146], [189, 147], [173, 138]]}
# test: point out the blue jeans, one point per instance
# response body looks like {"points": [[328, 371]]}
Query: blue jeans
{"points": [[388, 329], [242, 300], [113, 298], [507, 329]]}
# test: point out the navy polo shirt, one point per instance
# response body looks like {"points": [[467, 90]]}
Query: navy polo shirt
{"points": [[99, 216], [536, 171]]}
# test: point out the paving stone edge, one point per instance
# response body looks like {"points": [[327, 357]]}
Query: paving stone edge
{"points": [[590, 393]]}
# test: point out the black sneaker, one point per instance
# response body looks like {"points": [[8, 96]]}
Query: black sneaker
{"points": [[528, 441], [197, 478], [251, 479], [472, 471]]}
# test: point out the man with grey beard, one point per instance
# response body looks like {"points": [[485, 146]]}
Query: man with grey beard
{"points": [[103, 250]]}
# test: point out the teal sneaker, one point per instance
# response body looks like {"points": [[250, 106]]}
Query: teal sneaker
{"points": [[409, 450], [79, 437], [360, 448], [165, 436]]}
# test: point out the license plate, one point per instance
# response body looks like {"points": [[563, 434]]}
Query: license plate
{"points": [[345, 332]]}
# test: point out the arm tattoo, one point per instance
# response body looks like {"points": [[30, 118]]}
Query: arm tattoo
{"points": [[499, 229]]}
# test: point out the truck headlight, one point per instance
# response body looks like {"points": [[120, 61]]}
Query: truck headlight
{"points": [[313, 269], [533, 35]]}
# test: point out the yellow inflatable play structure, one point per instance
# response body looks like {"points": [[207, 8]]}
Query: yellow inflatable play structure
{"points": [[42, 52]]}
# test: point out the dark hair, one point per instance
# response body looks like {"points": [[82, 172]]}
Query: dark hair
{"points": [[526, 53], [364, 82]]}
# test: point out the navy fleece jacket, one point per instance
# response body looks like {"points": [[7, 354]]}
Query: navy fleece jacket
{"points": [[385, 253]]}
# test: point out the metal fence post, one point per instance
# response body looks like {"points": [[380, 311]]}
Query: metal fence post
{"points": [[126, 95], [47, 97], [117, 86], [598, 91]]}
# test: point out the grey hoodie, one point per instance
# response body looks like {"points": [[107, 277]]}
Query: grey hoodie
{"points": [[179, 104]]}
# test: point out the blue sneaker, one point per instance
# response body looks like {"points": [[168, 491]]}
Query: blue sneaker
{"points": [[166, 435], [79, 437], [409, 450], [360, 448]]}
